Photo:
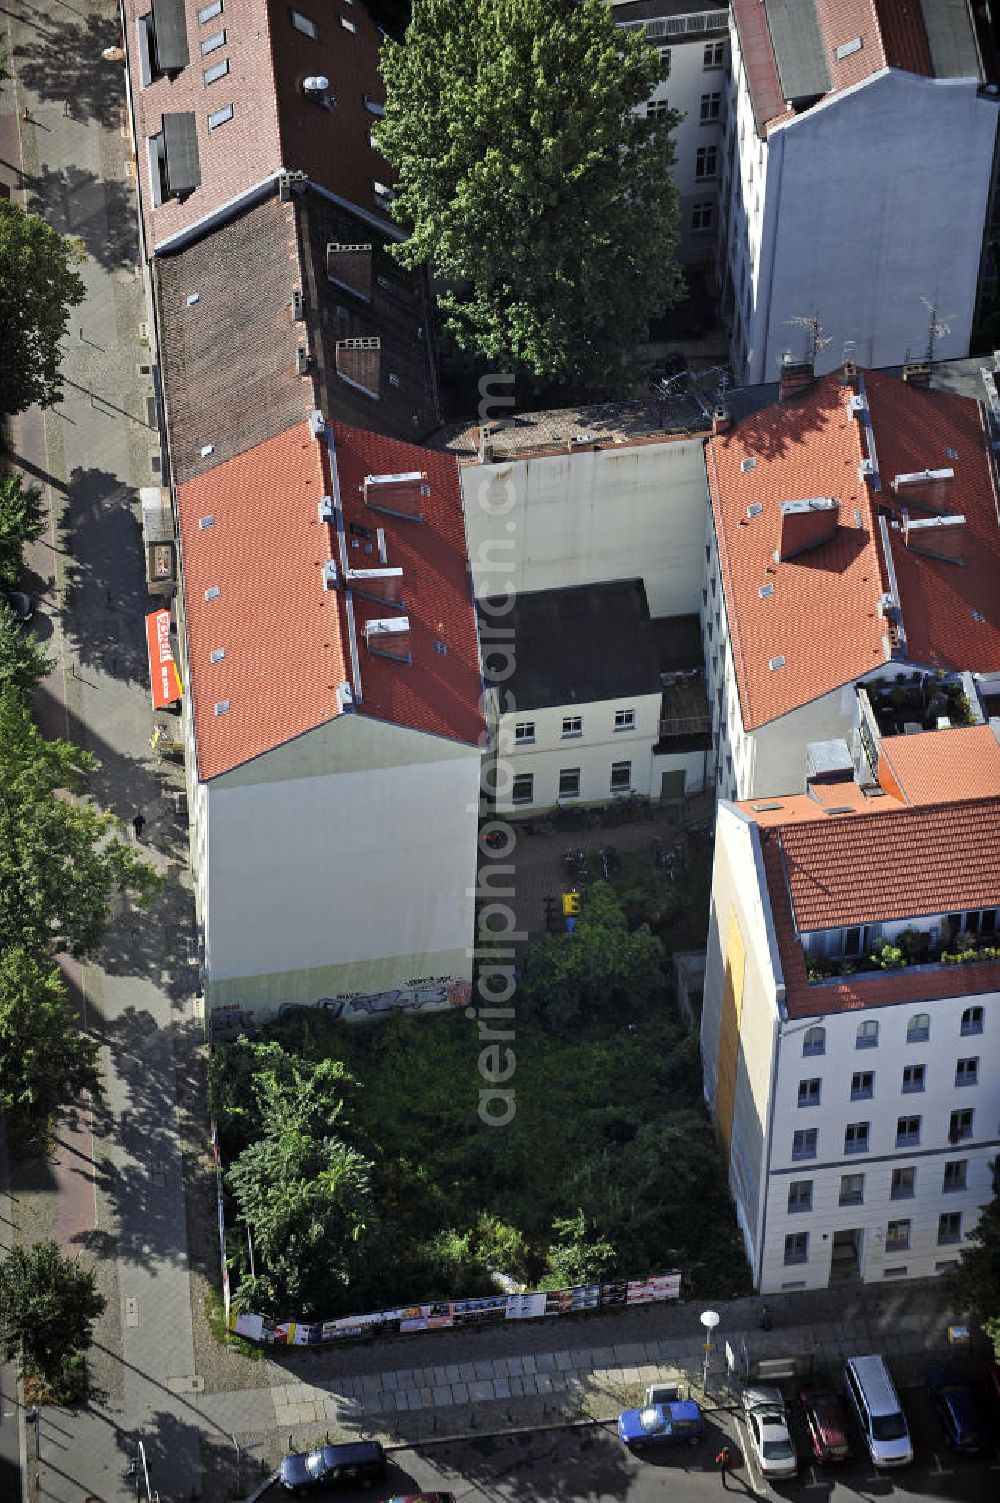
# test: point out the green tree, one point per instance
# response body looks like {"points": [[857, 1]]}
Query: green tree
{"points": [[23, 664], [60, 862], [45, 1061], [598, 970], [22, 521], [48, 1304], [579, 1255], [39, 284], [975, 1283], [528, 182]]}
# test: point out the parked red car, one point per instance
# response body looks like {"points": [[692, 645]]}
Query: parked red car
{"points": [[826, 1424]]}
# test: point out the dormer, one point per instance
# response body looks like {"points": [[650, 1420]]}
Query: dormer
{"points": [[389, 637], [401, 495], [383, 585], [807, 524], [931, 490]]}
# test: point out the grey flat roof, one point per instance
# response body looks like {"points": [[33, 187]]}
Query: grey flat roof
{"points": [[581, 645], [952, 38], [799, 49]]}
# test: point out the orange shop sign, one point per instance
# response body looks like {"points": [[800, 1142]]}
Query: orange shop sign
{"points": [[164, 679]]}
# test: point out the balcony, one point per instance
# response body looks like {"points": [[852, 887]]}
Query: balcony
{"points": [[912, 950], [916, 701], [685, 720]]}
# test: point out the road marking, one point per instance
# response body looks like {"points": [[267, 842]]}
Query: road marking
{"points": [[132, 1311], [939, 1470]]}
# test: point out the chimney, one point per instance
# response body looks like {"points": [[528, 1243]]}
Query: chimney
{"points": [[917, 372], [359, 363], [351, 267], [935, 537], [721, 421], [848, 372], [928, 489], [796, 376], [401, 495], [807, 524], [486, 444]]}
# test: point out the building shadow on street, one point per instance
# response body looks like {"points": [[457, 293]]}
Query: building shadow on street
{"points": [[106, 599], [63, 64], [100, 213]]}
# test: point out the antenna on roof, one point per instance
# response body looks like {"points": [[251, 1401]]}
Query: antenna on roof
{"points": [[937, 327], [817, 340]]}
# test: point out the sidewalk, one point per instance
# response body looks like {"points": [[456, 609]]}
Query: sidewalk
{"points": [[117, 1181]]}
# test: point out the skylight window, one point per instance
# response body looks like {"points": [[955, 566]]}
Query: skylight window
{"points": [[218, 653], [208, 521], [755, 509], [222, 708], [216, 71], [347, 25], [776, 663], [213, 592], [206, 450], [847, 48], [766, 591], [213, 43], [219, 117], [303, 23], [209, 12], [746, 465]]}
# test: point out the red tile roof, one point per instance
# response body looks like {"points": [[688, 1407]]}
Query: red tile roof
{"points": [[822, 616], [940, 766], [918, 429], [892, 864], [766, 97], [880, 866], [285, 639], [274, 126]]}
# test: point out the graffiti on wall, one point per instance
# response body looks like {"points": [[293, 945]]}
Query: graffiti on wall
{"points": [[419, 994]]}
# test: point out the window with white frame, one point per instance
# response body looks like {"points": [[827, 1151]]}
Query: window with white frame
{"points": [[657, 108], [705, 165], [852, 1189], [907, 1132], [664, 55], [950, 1227], [800, 1196], [867, 1035], [918, 1029], [797, 1247], [967, 1072], [714, 55], [904, 1183], [972, 1021], [809, 1091], [572, 725], [897, 1236], [960, 1125], [624, 720], [955, 1175], [814, 1041], [862, 1085], [914, 1079], [856, 1135], [711, 108], [804, 1143], [569, 782], [524, 732], [702, 214], [524, 788], [621, 777]]}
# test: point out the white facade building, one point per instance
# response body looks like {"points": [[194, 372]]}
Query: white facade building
{"points": [[333, 711], [859, 159], [693, 44], [858, 1113]]}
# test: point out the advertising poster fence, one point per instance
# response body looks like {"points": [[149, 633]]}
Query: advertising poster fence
{"points": [[448, 1314]]}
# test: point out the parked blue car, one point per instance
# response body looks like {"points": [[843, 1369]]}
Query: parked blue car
{"points": [[661, 1425], [959, 1410]]}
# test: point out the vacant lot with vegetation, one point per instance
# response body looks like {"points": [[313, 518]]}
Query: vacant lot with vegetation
{"points": [[359, 1160]]}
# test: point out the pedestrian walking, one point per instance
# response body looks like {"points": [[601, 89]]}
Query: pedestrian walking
{"points": [[722, 1461], [138, 824]]}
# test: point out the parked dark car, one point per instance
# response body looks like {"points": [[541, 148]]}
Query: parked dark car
{"points": [[826, 1423], [310, 1472], [959, 1409]]}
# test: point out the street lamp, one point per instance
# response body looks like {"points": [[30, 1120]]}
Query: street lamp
{"points": [[709, 1319]]}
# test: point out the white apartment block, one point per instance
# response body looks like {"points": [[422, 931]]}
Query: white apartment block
{"points": [[693, 44], [857, 177], [858, 1107]]}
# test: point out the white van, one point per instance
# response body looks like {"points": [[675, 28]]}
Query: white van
{"points": [[876, 1403]]}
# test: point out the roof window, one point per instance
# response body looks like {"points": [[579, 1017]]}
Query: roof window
{"points": [[847, 48], [213, 592], [347, 25], [776, 663], [746, 465], [766, 591], [303, 23], [373, 107], [222, 708], [217, 654], [755, 508], [208, 521], [216, 71], [208, 12], [219, 117], [213, 43], [206, 450]]}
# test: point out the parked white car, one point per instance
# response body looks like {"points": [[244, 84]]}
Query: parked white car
{"points": [[767, 1426]]}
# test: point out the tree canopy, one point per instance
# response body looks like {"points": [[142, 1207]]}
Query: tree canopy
{"points": [[45, 1060], [529, 184], [48, 1304], [23, 664], [975, 1283], [60, 860], [22, 520], [39, 283]]}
